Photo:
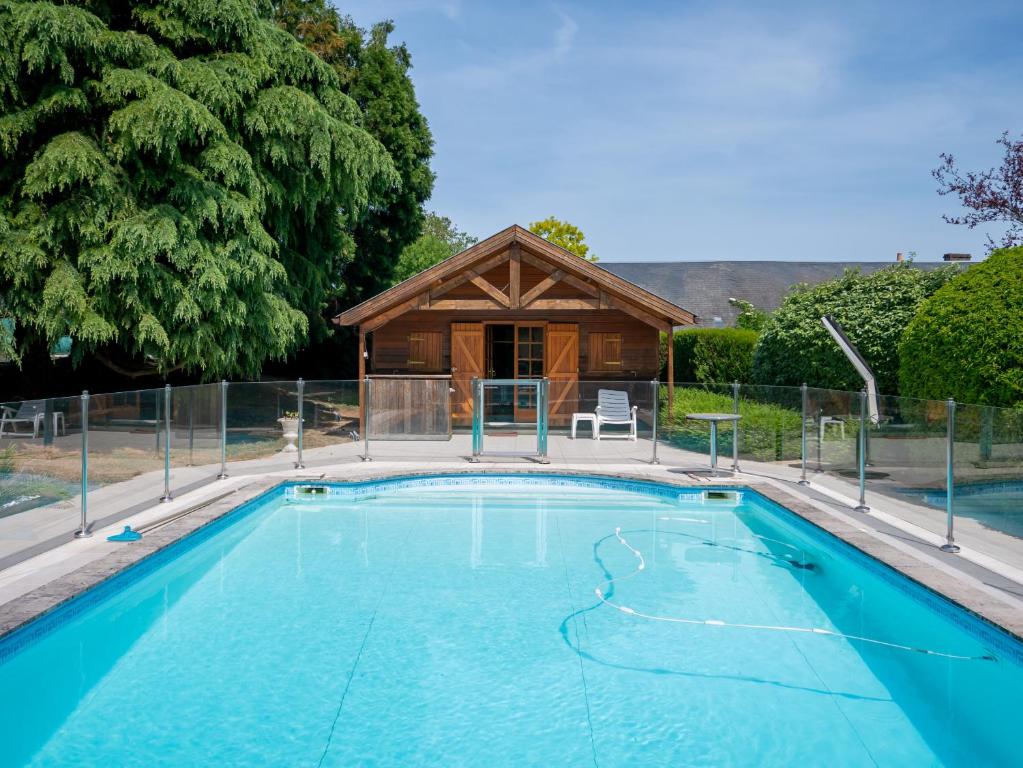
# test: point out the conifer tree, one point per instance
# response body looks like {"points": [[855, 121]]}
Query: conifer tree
{"points": [[376, 75], [179, 182]]}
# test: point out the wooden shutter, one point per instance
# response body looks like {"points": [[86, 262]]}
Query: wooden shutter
{"points": [[605, 351], [424, 350]]}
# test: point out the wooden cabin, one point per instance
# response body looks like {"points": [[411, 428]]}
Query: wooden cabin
{"points": [[514, 306]]}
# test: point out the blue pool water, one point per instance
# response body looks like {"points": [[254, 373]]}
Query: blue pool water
{"points": [[994, 505], [457, 621]]}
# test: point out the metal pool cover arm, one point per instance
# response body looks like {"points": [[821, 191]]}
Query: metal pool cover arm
{"points": [[850, 351]]}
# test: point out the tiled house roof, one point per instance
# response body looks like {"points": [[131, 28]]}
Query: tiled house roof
{"points": [[704, 287]]}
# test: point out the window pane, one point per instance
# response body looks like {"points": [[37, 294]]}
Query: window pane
{"points": [[538, 334]]}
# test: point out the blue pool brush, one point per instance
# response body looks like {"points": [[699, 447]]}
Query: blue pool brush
{"points": [[126, 535]]}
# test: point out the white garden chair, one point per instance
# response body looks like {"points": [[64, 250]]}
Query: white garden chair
{"points": [[29, 412], [613, 408]]}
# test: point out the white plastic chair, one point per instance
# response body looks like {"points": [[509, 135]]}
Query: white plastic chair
{"points": [[613, 408], [29, 412]]}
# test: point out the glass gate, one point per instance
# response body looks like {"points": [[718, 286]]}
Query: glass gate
{"points": [[493, 421]]}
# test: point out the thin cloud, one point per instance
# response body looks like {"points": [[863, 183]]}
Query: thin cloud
{"points": [[565, 36], [518, 63]]}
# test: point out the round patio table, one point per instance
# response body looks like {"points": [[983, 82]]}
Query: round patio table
{"points": [[714, 419]]}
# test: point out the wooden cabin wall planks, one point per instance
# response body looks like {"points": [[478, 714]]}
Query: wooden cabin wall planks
{"points": [[639, 342]]}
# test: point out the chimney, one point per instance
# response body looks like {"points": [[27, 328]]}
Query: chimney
{"points": [[956, 257], [898, 256]]}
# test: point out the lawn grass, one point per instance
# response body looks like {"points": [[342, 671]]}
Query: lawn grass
{"points": [[767, 431]]}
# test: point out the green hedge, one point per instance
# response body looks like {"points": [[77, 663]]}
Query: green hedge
{"points": [[873, 309], [708, 355], [966, 341]]}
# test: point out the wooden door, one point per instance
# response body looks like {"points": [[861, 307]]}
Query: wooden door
{"points": [[466, 364], [563, 371]]}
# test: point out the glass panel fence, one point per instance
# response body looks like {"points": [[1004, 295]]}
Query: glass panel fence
{"points": [[262, 425], [832, 434], [40, 474], [428, 419], [125, 452], [988, 473], [194, 436], [906, 443], [330, 427], [602, 422], [691, 436], [769, 430]]}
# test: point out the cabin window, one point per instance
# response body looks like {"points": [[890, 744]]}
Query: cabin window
{"points": [[605, 352], [529, 358], [424, 350]]}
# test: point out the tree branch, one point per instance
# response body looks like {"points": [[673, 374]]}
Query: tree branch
{"points": [[140, 373]]}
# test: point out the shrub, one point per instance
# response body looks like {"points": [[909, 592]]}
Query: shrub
{"points": [[724, 354], [873, 310], [750, 317], [708, 355], [685, 343], [966, 341]]}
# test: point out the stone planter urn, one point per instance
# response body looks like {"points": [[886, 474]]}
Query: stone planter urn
{"points": [[289, 426]]}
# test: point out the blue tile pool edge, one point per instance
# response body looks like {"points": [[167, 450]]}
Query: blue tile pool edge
{"points": [[995, 637], [963, 489]]}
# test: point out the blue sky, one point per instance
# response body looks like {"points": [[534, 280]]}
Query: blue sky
{"points": [[701, 131]]}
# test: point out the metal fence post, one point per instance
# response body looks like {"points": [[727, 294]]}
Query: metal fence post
{"points": [[862, 506], [191, 424], [735, 427], [987, 431], [477, 419], [83, 531], [223, 430], [166, 444], [655, 386], [542, 416], [802, 450], [365, 427], [48, 422], [950, 432], [301, 418], [820, 439]]}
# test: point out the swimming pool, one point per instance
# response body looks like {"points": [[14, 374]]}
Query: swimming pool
{"points": [[996, 505], [506, 620]]}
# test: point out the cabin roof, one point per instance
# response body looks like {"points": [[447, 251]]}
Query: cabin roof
{"points": [[613, 291]]}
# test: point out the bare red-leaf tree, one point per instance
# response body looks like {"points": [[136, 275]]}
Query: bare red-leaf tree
{"points": [[995, 195]]}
